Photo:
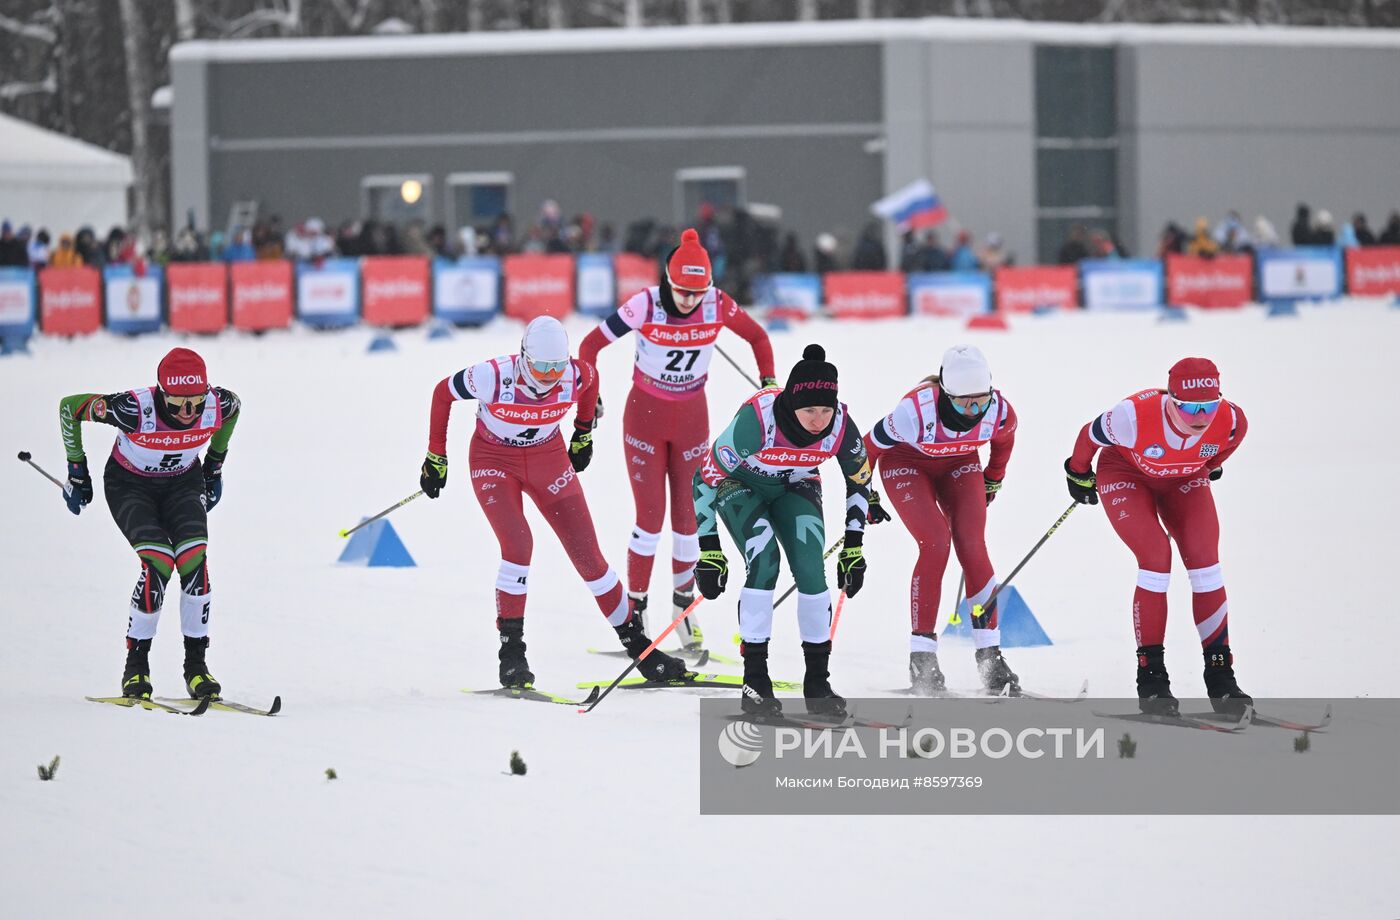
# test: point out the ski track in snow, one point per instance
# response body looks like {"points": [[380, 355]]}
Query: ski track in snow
{"points": [[231, 816]]}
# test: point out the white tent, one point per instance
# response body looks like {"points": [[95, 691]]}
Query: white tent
{"points": [[51, 180]]}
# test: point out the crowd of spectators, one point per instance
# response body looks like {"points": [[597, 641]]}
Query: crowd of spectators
{"points": [[741, 244]]}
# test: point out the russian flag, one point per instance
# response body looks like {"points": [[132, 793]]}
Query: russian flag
{"points": [[913, 207]]}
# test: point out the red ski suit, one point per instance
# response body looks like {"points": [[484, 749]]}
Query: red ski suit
{"points": [[934, 480], [517, 450], [665, 427], [1154, 485]]}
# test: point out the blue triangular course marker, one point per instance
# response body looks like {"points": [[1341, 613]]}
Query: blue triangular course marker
{"points": [[377, 544], [14, 345], [1172, 314], [439, 331], [382, 342], [1019, 627], [1283, 308]]}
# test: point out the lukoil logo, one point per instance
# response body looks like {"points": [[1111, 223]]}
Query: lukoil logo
{"points": [[740, 743]]}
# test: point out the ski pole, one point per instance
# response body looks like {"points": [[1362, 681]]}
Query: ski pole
{"points": [[742, 373], [24, 457], [393, 507], [645, 652], [955, 619], [825, 556], [978, 608], [840, 602]]}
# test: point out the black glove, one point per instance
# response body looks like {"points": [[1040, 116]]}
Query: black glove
{"points": [[433, 478], [993, 487], [850, 565], [766, 382], [581, 447], [712, 571], [876, 513], [1217, 473], [1081, 486], [213, 478], [598, 412], [78, 491]]}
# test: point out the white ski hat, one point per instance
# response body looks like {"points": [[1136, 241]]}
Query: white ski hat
{"points": [[964, 371], [545, 340]]}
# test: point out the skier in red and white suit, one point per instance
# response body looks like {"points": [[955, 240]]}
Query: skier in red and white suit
{"points": [[927, 450], [1164, 449], [517, 450], [665, 428]]}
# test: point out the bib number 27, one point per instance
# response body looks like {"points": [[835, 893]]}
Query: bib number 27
{"points": [[682, 359]]}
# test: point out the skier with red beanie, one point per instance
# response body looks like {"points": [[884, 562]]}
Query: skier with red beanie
{"points": [[1162, 451], [665, 427], [159, 493]]}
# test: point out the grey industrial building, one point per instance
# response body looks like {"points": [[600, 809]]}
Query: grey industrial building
{"points": [[1023, 128]]}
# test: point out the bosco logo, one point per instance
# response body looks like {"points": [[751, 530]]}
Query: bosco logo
{"points": [[562, 482], [967, 468]]}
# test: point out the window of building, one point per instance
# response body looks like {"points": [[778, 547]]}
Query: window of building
{"points": [[476, 199], [721, 187], [398, 198]]}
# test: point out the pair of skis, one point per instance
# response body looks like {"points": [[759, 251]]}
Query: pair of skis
{"points": [[179, 706], [1222, 722], [595, 688]]}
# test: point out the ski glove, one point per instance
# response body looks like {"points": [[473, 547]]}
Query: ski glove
{"points": [[876, 513], [850, 565], [1081, 486], [1217, 473], [767, 382], [993, 487], [213, 479], [712, 571], [434, 476], [78, 491], [581, 447]]}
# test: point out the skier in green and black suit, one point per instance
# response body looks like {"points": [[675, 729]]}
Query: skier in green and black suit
{"points": [[159, 494], [760, 477]]}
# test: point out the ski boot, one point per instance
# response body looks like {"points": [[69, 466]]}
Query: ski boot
{"points": [[136, 679], [816, 683], [997, 676], [1154, 687], [692, 639], [198, 681], [658, 665], [515, 670], [925, 677], [637, 607], [757, 697], [1225, 695]]}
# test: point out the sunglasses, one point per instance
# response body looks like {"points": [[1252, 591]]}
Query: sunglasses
{"points": [[1203, 407], [972, 405], [183, 405], [548, 368]]}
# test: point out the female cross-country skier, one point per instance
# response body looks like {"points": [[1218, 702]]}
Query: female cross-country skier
{"points": [[516, 451], [159, 493], [1162, 450], [665, 429], [927, 454], [761, 478]]}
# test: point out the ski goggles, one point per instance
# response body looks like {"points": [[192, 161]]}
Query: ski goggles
{"points": [[547, 369], [1201, 407], [184, 405], [975, 404]]}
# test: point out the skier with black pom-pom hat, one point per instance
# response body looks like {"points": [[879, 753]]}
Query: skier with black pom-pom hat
{"points": [[761, 478]]}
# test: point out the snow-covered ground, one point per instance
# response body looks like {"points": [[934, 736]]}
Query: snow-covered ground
{"points": [[231, 816]]}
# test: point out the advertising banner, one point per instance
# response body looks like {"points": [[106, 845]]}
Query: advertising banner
{"points": [[1303, 272], [1224, 281], [262, 295], [1023, 289], [1121, 284], [960, 294], [198, 296], [17, 301], [132, 298], [865, 295], [539, 285], [467, 291], [395, 290], [595, 284], [1373, 271], [70, 300], [634, 273], [789, 293], [328, 294]]}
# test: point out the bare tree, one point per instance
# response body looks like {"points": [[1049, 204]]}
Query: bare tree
{"points": [[138, 92]]}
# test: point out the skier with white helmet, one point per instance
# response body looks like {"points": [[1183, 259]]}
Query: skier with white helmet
{"points": [[927, 454], [517, 450]]}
